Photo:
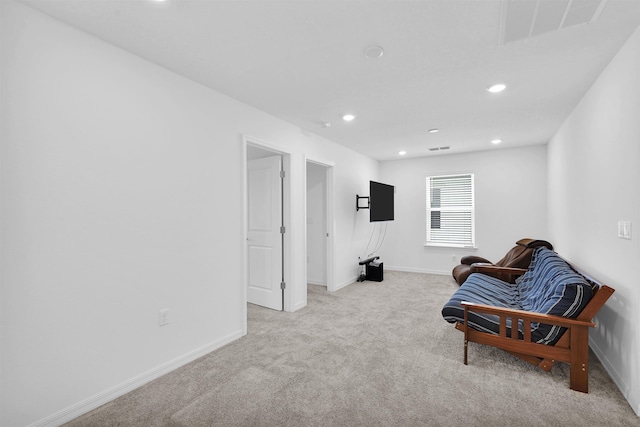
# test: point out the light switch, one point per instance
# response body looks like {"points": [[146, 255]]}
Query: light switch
{"points": [[624, 229]]}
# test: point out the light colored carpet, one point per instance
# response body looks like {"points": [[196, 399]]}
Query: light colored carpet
{"points": [[371, 354]]}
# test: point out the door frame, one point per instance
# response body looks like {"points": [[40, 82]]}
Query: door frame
{"points": [[330, 224], [286, 197]]}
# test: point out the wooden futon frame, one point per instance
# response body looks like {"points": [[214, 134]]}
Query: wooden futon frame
{"points": [[572, 347]]}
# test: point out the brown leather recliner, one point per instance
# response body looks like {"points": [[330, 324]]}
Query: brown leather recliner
{"points": [[518, 257]]}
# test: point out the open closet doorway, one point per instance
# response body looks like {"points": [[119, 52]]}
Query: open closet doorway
{"points": [[319, 217]]}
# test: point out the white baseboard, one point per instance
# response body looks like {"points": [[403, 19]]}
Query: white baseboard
{"points": [[344, 284], [112, 393], [300, 304], [417, 270], [316, 282], [615, 376], [393, 268]]}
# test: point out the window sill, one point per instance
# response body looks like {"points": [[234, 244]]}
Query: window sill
{"points": [[449, 245]]}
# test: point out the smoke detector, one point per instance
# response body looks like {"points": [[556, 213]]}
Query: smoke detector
{"points": [[373, 52]]}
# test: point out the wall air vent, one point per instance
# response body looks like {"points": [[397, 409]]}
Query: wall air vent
{"points": [[522, 19]]}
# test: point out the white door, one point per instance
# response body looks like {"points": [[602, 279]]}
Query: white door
{"points": [[317, 234], [264, 235]]}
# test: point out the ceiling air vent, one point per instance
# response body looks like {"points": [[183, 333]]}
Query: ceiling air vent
{"points": [[522, 19], [439, 148]]}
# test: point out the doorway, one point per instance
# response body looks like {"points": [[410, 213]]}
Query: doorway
{"points": [[319, 224], [266, 246]]}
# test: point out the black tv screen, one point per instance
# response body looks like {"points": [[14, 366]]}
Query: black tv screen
{"points": [[380, 201]]}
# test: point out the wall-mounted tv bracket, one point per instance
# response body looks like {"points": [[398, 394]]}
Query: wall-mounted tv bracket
{"points": [[358, 206]]}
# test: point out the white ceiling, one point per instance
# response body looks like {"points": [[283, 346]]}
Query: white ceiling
{"points": [[302, 61]]}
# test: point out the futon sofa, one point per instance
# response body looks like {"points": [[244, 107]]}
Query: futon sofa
{"points": [[528, 316]]}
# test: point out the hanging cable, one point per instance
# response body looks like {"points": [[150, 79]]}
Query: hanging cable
{"points": [[379, 243], [370, 237]]}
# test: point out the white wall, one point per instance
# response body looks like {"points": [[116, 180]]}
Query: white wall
{"points": [[316, 224], [510, 196], [593, 183], [2, 115], [122, 196]]}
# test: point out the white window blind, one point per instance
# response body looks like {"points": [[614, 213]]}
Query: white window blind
{"points": [[450, 210]]}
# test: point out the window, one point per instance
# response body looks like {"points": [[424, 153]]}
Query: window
{"points": [[450, 211]]}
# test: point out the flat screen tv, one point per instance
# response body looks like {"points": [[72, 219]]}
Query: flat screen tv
{"points": [[380, 201]]}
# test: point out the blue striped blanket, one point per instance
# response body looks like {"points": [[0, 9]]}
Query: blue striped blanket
{"points": [[550, 286]]}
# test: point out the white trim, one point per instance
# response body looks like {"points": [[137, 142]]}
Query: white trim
{"points": [[316, 282], [289, 294], [299, 305], [448, 245], [451, 234], [245, 235], [87, 405], [317, 161], [417, 270], [345, 284], [613, 373], [256, 142], [401, 269], [331, 228]]}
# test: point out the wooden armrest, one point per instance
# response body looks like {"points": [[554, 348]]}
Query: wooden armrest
{"points": [[547, 319], [508, 274], [481, 267]]}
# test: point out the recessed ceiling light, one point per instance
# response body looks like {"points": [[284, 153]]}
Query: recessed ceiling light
{"points": [[434, 130], [496, 141], [348, 117], [496, 88], [373, 52], [402, 153], [325, 125]]}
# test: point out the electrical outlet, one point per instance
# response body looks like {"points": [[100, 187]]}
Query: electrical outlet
{"points": [[163, 318], [453, 257]]}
